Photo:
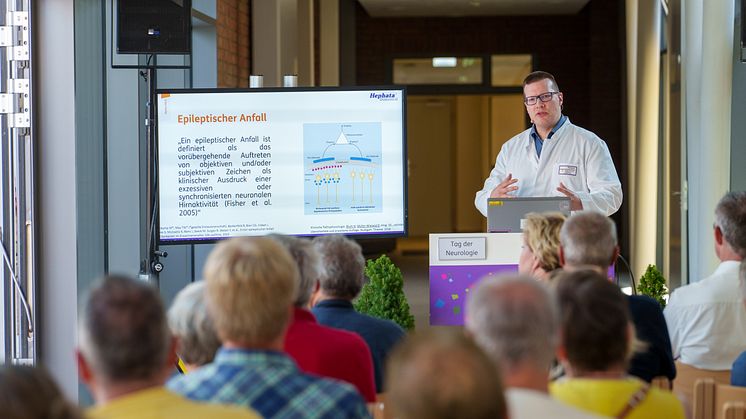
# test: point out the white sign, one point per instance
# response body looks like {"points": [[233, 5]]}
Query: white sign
{"points": [[462, 248]]}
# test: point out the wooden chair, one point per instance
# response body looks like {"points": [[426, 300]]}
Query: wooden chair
{"points": [[734, 410], [687, 376], [378, 408], [718, 401], [662, 382]]}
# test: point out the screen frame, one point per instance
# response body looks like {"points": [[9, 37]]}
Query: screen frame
{"points": [[362, 236]]}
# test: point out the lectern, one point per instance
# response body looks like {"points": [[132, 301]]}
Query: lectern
{"points": [[458, 261]]}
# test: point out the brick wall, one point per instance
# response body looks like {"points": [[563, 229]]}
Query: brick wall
{"points": [[232, 25], [584, 51]]}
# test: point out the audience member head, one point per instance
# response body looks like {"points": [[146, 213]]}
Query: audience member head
{"points": [[596, 332], [31, 393], [730, 226], [250, 285], [344, 266], [515, 320], [588, 238], [124, 337], [443, 375], [540, 250], [195, 334], [307, 259]]}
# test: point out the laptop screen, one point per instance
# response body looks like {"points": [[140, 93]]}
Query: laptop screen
{"points": [[505, 215]]}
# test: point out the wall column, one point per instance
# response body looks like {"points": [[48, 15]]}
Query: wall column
{"points": [[54, 55], [643, 57], [329, 44], [274, 35], [707, 73]]}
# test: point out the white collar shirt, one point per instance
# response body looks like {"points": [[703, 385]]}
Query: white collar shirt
{"points": [[707, 320], [573, 155], [532, 404]]}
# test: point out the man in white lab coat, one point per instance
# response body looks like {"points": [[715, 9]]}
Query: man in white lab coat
{"points": [[553, 157]]}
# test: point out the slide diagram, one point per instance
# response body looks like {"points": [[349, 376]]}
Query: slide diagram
{"points": [[342, 167]]}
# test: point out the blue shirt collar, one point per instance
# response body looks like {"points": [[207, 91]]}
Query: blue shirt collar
{"points": [[335, 303], [535, 135]]}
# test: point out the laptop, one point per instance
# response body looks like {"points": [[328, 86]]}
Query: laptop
{"points": [[505, 215]]}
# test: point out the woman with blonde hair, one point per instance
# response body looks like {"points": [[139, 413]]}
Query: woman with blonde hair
{"points": [[541, 244]]}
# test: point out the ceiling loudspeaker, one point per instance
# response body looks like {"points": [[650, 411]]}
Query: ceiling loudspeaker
{"points": [[154, 26]]}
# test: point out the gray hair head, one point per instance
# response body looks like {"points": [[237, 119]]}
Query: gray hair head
{"points": [[730, 216], [123, 330], [191, 324], [343, 266], [309, 265], [588, 238], [515, 320]]}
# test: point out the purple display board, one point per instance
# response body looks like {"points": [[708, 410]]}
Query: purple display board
{"points": [[450, 287]]}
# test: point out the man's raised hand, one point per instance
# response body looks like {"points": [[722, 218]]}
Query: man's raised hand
{"points": [[575, 203], [504, 188]]}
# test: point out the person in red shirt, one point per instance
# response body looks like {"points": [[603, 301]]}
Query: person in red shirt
{"points": [[320, 349]]}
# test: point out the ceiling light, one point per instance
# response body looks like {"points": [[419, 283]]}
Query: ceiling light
{"points": [[445, 61]]}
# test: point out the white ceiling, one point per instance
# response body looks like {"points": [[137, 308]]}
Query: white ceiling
{"points": [[454, 8]]}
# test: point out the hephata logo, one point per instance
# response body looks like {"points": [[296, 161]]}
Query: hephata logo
{"points": [[383, 96]]}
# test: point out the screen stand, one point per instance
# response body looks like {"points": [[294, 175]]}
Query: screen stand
{"points": [[151, 265]]}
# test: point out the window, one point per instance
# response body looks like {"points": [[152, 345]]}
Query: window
{"points": [[438, 70], [510, 70]]}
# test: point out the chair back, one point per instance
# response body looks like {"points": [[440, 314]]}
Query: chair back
{"points": [[662, 382], [718, 401], [734, 410], [687, 376], [378, 408]]}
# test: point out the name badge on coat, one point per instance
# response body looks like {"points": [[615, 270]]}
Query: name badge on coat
{"points": [[567, 170]]}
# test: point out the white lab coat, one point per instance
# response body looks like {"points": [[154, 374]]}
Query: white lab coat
{"points": [[574, 156]]}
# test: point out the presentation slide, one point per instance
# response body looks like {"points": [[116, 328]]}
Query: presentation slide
{"points": [[290, 161]]}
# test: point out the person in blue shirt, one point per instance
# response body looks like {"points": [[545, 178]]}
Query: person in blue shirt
{"points": [[341, 281]]}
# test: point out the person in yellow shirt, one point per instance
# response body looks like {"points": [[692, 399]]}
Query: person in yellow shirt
{"points": [[126, 353], [596, 343]]}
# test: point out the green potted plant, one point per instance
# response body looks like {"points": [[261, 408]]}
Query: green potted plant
{"points": [[383, 295], [653, 284]]}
